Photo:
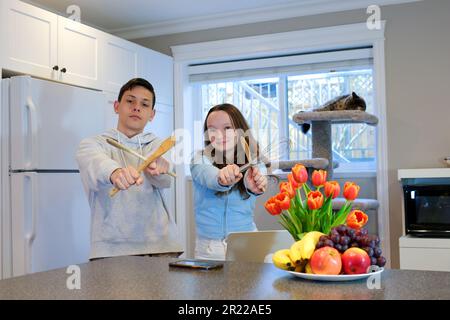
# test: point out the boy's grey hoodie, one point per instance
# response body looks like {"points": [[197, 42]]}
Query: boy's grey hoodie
{"points": [[134, 221]]}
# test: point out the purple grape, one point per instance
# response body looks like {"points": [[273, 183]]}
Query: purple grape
{"points": [[338, 247], [345, 240], [319, 244], [344, 248], [335, 238], [328, 243], [323, 238], [369, 251], [333, 230], [376, 239], [363, 232], [351, 233], [342, 229], [354, 245], [373, 261], [372, 244], [377, 252], [381, 261], [364, 242]]}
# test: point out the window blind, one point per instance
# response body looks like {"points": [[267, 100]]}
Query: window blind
{"points": [[291, 64]]}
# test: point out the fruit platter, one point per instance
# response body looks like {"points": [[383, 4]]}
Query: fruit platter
{"points": [[342, 255], [329, 245]]}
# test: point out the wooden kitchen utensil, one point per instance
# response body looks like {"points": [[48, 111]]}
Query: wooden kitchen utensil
{"points": [[272, 152], [165, 146], [246, 149], [130, 151], [124, 148]]}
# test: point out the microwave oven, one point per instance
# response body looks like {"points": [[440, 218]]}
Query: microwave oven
{"points": [[427, 206]]}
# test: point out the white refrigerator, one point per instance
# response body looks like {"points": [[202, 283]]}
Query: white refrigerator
{"points": [[45, 217]]}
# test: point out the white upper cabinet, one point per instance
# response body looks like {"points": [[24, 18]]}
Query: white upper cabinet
{"points": [[121, 62], [125, 60], [43, 44], [80, 52], [29, 39]]}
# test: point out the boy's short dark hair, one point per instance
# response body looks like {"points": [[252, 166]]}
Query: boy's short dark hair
{"points": [[137, 82]]}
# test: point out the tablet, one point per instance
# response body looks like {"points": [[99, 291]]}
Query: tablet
{"points": [[196, 264]]}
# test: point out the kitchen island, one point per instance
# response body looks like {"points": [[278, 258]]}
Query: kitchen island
{"points": [[152, 278]]}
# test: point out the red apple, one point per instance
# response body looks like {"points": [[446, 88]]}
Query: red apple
{"points": [[355, 261], [326, 260]]}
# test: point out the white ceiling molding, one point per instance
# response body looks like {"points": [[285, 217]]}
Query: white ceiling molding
{"points": [[278, 12], [291, 42]]}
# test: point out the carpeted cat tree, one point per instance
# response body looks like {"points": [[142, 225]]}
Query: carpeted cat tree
{"points": [[322, 152], [321, 122]]}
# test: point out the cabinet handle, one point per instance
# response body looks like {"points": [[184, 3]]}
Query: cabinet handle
{"points": [[63, 70], [56, 68]]}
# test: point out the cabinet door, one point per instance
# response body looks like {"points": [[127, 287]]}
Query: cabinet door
{"points": [[158, 69], [80, 51], [29, 38], [111, 117], [163, 123], [121, 62]]}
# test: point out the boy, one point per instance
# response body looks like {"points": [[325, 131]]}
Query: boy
{"points": [[135, 221]]}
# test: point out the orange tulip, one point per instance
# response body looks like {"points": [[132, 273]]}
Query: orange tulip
{"points": [[351, 191], [292, 181], [272, 207], [332, 189], [315, 200], [319, 177], [287, 188], [282, 200], [300, 173], [357, 219]]}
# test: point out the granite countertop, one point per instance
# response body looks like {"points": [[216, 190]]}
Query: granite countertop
{"points": [[151, 278]]}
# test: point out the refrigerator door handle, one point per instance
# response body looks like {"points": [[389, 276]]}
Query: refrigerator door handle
{"points": [[30, 221], [34, 132]]}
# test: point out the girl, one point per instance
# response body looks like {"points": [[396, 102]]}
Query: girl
{"points": [[224, 198]]}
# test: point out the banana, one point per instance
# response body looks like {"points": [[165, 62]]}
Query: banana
{"points": [[308, 268], [304, 248], [310, 239], [295, 252], [309, 244], [300, 266], [282, 260]]}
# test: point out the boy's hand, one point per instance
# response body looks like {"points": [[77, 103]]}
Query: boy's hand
{"points": [[256, 182], [157, 167], [123, 178], [229, 175]]}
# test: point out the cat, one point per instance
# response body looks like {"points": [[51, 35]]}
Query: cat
{"points": [[345, 102]]}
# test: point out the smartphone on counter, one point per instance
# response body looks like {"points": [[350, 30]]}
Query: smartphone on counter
{"points": [[196, 264]]}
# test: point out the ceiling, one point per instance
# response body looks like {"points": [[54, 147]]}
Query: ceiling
{"points": [[113, 14], [143, 18]]}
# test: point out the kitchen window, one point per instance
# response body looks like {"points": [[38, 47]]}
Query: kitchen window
{"points": [[270, 91]]}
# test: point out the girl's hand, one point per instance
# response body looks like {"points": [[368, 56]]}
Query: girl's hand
{"points": [[123, 178], [229, 175], [157, 167], [256, 182]]}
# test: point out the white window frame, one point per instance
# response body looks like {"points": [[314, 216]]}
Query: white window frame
{"points": [[294, 42], [355, 169]]}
